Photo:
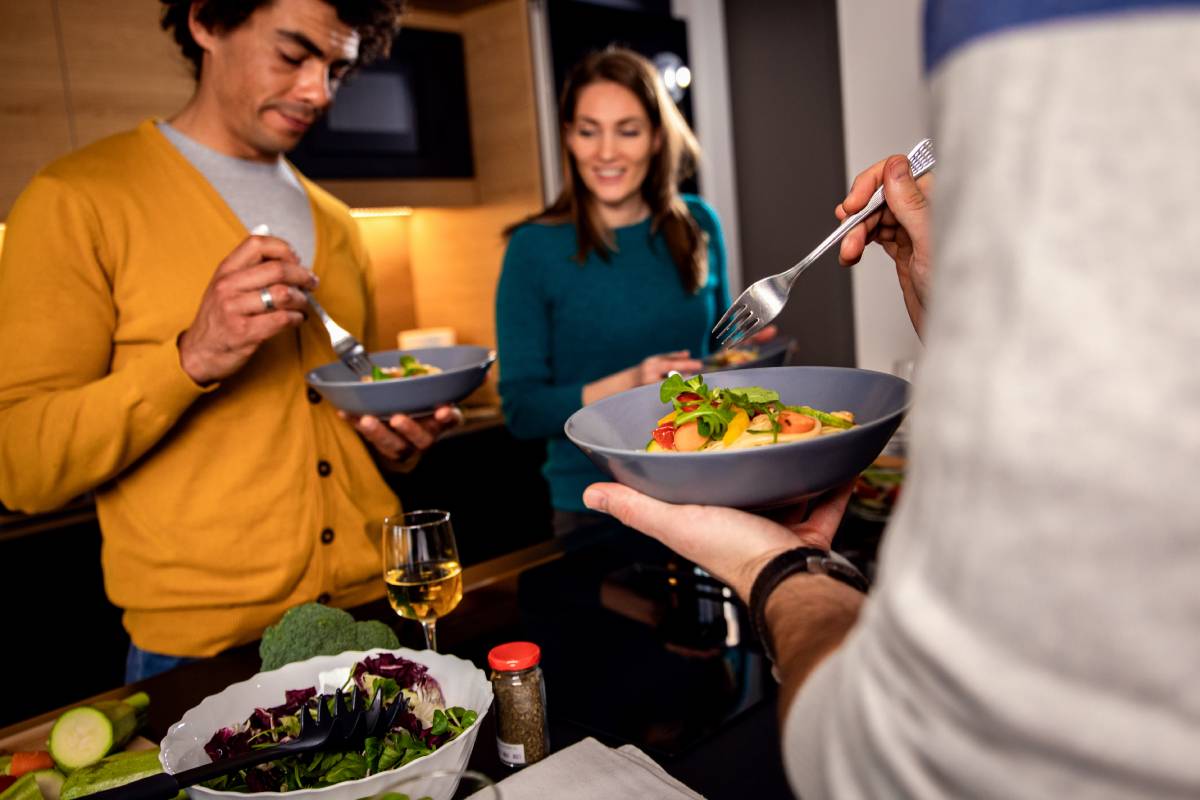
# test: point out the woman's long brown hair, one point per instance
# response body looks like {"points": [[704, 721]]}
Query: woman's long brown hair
{"points": [[675, 160]]}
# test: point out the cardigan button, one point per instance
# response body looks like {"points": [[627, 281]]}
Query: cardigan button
{"points": [[327, 536], [323, 598], [314, 396], [323, 468]]}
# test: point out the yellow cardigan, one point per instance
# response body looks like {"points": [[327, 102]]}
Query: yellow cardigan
{"points": [[215, 505]]}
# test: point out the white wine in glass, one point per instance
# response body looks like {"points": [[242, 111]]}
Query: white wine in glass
{"points": [[421, 568]]}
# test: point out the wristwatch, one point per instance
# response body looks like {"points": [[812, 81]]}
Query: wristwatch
{"points": [[786, 564]]}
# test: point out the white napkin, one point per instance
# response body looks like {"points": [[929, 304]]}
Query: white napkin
{"points": [[589, 770]]}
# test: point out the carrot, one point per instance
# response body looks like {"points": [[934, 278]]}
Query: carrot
{"points": [[23, 762]]}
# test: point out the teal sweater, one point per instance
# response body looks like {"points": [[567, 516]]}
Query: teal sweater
{"points": [[561, 325]]}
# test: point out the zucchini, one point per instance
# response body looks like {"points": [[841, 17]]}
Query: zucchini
{"points": [[50, 781], [26, 788], [116, 770], [822, 417], [84, 735]]}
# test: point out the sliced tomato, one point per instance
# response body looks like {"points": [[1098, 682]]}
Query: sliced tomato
{"points": [[690, 401], [665, 435]]}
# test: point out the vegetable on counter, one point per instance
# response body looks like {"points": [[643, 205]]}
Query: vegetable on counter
{"points": [[27, 761], [41, 784], [84, 735], [312, 629], [23, 788], [111, 772]]}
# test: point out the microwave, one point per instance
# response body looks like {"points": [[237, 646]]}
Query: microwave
{"points": [[401, 117]]}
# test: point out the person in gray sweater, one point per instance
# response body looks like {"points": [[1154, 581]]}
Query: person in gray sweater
{"points": [[1033, 629]]}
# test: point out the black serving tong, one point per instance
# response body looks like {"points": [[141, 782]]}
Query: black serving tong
{"points": [[346, 727]]}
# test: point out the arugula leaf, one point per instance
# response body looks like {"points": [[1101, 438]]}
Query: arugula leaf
{"points": [[755, 395], [672, 386], [372, 750], [392, 753], [351, 767], [379, 375], [408, 361], [459, 719]]}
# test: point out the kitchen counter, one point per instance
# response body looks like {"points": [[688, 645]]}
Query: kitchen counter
{"points": [[636, 649]]}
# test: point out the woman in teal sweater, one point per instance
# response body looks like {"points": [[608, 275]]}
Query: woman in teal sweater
{"points": [[618, 282]]}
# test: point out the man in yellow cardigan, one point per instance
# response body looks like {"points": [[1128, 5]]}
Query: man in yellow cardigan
{"points": [[155, 352]]}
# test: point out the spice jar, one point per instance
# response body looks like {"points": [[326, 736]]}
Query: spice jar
{"points": [[522, 735]]}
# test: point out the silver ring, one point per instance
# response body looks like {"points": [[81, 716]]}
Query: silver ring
{"points": [[267, 301]]}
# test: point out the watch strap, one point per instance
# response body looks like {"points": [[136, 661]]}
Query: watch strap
{"points": [[801, 559]]}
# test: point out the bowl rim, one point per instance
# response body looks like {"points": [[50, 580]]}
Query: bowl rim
{"points": [[489, 357], [341, 660], [857, 430]]}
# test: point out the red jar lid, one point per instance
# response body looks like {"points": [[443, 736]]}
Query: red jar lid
{"points": [[514, 656]]}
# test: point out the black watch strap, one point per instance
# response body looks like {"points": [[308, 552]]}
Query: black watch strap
{"points": [[802, 559]]}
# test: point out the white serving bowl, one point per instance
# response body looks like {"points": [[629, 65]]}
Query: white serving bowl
{"points": [[463, 684]]}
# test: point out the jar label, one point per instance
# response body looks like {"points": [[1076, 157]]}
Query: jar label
{"points": [[510, 753]]}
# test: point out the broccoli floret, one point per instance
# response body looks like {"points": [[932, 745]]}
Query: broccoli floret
{"points": [[372, 634], [312, 629]]}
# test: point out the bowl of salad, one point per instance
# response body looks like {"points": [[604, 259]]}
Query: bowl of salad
{"points": [[413, 382], [749, 438], [445, 697]]}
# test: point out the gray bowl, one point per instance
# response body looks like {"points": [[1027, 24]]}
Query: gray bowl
{"points": [[463, 369], [614, 431]]}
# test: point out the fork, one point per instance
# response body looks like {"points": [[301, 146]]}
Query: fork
{"points": [[345, 346], [346, 727], [764, 299]]}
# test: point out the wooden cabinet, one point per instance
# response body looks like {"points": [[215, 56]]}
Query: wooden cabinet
{"points": [[121, 66], [34, 123], [74, 71]]}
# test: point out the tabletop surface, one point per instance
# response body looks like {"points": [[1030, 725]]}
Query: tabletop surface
{"points": [[638, 647]]}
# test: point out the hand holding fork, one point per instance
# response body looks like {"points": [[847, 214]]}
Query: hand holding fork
{"points": [[763, 300]]}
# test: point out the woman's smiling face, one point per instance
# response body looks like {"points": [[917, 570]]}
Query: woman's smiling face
{"points": [[613, 143]]}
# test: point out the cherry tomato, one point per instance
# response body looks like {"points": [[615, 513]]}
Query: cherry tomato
{"points": [[665, 436], [690, 400]]}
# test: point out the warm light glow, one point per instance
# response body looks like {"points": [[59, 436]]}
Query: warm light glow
{"points": [[394, 211]]}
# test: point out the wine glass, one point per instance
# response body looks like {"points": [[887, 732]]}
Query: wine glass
{"points": [[421, 568], [442, 784]]}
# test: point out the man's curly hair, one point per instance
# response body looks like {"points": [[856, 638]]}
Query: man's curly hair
{"points": [[376, 22]]}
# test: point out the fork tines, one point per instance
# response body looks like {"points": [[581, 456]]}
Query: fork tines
{"points": [[737, 323]]}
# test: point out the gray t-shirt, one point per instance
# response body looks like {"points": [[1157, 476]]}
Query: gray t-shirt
{"points": [[1035, 632], [258, 193]]}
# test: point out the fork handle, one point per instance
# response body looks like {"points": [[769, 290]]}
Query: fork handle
{"points": [[849, 222]]}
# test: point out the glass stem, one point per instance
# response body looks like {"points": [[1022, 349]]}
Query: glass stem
{"points": [[430, 633]]}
